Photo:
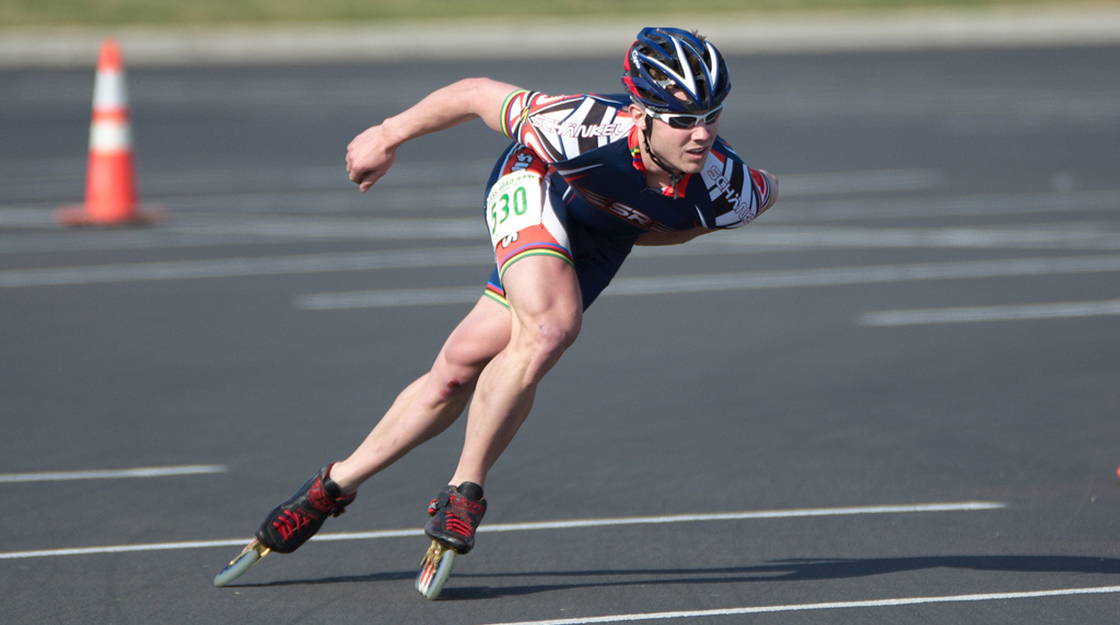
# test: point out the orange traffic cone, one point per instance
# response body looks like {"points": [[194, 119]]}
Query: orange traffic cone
{"points": [[110, 180]]}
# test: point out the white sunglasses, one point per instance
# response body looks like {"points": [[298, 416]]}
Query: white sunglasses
{"points": [[681, 121]]}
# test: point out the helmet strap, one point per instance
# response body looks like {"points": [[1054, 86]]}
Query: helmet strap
{"points": [[675, 175]]}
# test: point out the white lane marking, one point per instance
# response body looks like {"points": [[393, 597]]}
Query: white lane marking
{"points": [[902, 208], [59, 476], [235, 267], [841, 276], [1063, 310], [832, 276], [84, 551], [815, 212], [800, 185], [832, 605], [389, 299], [25, 181], [761, 237], [757, 514], [965, 506], [1083, 236]]}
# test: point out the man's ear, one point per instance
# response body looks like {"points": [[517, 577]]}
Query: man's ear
{"points": [[638, 114]]}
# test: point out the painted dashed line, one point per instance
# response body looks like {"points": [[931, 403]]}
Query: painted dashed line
{"points": [[60, 476], [833, 605], [1063, 310], [968, 506], [708, 283]]}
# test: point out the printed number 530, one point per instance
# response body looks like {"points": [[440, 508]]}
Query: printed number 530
{"points": [[514, 203], [501, 207]]}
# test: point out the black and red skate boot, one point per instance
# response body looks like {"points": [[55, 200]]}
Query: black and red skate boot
{"points": [[456, 513], [290, 524]]}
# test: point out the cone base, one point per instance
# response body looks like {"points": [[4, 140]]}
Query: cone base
{"points": [[80, 216]]}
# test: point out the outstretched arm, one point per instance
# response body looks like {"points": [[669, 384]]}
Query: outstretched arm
{"points": [[373, 151]]}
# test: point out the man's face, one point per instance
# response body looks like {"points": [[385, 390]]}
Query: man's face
{"points": [[684, 149]]}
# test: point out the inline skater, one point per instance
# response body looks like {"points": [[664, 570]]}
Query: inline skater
{"points": [[586, 178]]}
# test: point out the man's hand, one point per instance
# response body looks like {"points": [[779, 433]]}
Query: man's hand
{"points": [[369, 156], [372, 153]]}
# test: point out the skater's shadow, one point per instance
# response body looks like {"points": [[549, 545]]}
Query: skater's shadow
{"points": [[389, 576], [780, 570], [777, 571]]}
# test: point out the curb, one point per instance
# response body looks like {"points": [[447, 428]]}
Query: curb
{"points": [[562, 38]]}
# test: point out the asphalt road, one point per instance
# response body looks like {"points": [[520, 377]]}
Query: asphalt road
{"points": [[905, 377]]}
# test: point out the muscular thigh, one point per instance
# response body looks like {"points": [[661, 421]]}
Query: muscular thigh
{"points": [[476, 340]]}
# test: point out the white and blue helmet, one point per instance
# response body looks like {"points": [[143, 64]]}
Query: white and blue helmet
{"points": [[664, 64]]}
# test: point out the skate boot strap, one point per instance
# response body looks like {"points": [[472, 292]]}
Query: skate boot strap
{"points": [[337, 502], [455, 497]]}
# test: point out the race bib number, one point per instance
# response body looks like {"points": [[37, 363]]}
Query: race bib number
{"points": [[514, 204]]}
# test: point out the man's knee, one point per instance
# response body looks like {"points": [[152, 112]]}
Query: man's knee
{"points": [[548, 335], [456, 370], [546, 307]]}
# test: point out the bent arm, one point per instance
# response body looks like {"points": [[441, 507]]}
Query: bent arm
{"points": [[373, 152], [684, 236], [772, 180]]}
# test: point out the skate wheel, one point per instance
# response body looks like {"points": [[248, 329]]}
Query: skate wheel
{"points": [[243, 562], [434, 570]]}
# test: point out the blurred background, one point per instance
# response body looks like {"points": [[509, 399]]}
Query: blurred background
{"points": [[106, 12], [929, 315]]}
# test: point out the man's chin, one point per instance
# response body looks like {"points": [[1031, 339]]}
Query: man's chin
{"points": [[692, 167], [694, 162]]}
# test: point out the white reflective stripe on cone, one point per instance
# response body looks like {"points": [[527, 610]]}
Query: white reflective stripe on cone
{"points": [[110, 136], [109, 90]]}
